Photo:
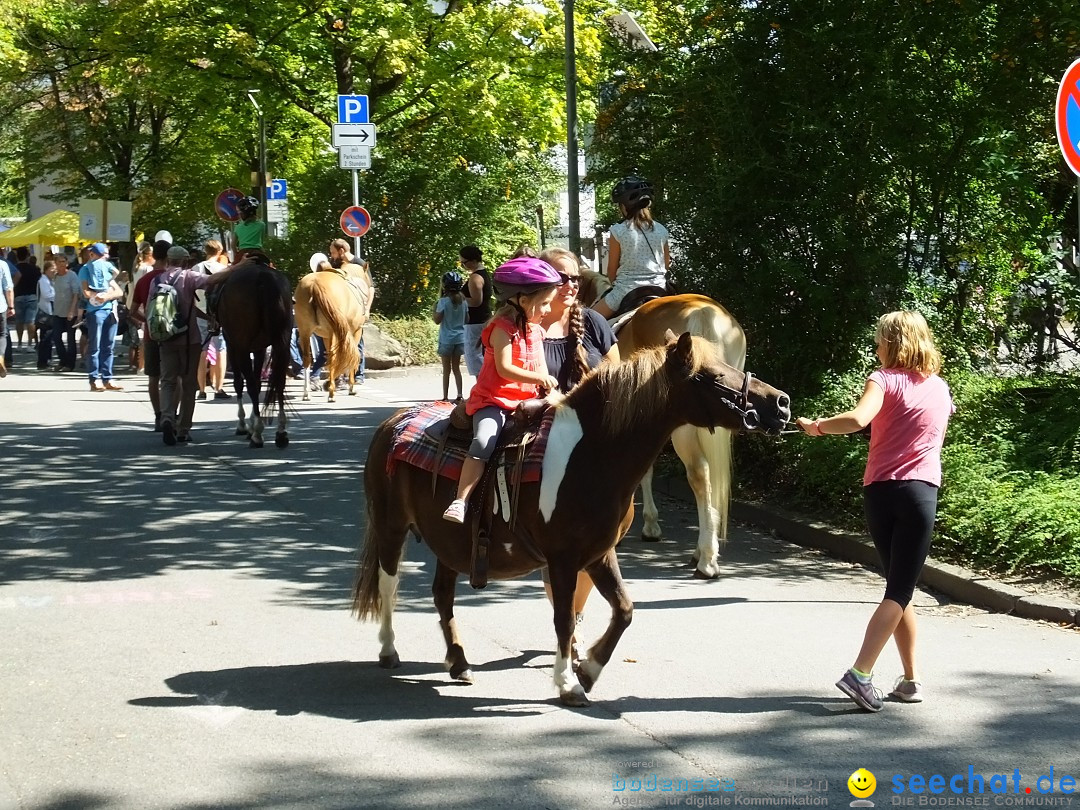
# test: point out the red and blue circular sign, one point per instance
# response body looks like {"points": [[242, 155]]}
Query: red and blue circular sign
{"points": [[225, 204], [1067, 116], [355, 221]]}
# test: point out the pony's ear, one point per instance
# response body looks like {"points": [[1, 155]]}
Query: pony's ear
{"points": [[684, 350], [669, 336]]}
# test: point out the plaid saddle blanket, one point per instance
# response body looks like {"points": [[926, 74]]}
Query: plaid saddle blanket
{"points": [[413, 445]]}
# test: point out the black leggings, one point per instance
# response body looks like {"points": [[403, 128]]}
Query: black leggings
{"points": [[900, 515]]}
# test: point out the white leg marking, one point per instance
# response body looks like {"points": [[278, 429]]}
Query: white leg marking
{"points": [[388, 586], [566, 682], [565, 434], [649, 513]]}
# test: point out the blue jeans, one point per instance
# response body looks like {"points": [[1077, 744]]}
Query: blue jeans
{"points": [[318, 353], [101, 326]]}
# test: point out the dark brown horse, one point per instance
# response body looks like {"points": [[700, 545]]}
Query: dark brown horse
{"points": [[254, 309], [604, 436]]}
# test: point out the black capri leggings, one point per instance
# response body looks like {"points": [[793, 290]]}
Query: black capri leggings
{"points": [[900, 516]]}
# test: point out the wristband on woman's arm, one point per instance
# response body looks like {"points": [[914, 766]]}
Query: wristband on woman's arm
{"points": [[817, 427]]}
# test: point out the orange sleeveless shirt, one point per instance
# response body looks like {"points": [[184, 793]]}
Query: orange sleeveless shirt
{"points": [[527, 352]]}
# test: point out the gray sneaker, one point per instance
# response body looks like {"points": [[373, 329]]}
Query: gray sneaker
{"points": [[864, 694], [907, 691]]}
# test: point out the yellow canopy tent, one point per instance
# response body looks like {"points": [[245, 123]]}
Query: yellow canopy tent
{"points": [[54, 228]]}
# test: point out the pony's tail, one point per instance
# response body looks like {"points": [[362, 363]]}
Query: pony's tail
{"points": [[275, 302], [366, 602], [716, 445], [342, 354]]}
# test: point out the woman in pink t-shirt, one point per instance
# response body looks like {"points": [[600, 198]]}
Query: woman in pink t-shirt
{"points": [[909, 407]]}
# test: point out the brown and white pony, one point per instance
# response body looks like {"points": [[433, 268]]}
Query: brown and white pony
{"points": [[604, 436], [333, 304]]}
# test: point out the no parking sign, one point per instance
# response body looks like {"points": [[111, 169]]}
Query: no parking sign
{"points": [[225, 204], [355, 221], [1067, 117]]}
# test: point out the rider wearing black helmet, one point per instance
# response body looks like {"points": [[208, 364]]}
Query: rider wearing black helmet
{"points": [[249, 231], [638, 252]]}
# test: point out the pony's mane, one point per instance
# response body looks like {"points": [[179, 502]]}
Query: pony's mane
{"points": [[638, 389]]}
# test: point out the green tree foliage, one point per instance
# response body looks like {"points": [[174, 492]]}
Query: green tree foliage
{"points": [[821, 164], [144, 99]]}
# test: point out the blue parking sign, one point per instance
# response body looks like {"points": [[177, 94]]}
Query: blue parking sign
{"points": [[352, 110], [279, 189]]}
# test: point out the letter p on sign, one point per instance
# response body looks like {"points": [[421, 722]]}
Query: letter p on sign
{"points": [[352, 109]]}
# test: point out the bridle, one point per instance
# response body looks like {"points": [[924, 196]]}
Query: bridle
{"points": [[736, 399]]}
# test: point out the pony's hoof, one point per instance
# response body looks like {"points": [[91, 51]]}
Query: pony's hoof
{"points": [[389, 661], [255, 445], [584, 678], [574, 697], [352, 392], [462, 673], [651, 538], [306, 397], [241, 432], [465, 676], [282, 440], [707, 574]]}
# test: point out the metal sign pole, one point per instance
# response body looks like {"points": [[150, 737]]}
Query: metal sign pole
{"points": [[356, 201], [1076, 245]]}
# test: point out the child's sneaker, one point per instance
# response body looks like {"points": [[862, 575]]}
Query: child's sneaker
{"points": [[907, 691], [862, 692], [455, 512]]}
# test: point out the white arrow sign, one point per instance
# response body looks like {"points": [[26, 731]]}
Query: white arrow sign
{"points": [[354, 135]]}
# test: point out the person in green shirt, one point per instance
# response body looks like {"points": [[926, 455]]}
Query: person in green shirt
{"points": [[249, 231]]}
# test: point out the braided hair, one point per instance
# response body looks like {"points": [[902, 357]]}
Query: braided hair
{"points": [[575, 332], [576, 343]]}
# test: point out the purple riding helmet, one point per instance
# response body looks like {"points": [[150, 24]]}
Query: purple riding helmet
{"points": [[525, 275]]}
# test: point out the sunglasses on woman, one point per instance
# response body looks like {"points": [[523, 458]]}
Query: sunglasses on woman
{"points": [[575, 280]]}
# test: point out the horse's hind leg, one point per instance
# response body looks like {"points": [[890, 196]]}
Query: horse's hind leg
{"points": [[700, 475], [442, 588], [388, 591], [254, 390], [238, 387], [650, 530], [563, 584], [609, 583]]}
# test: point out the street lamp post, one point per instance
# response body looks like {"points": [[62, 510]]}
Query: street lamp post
{"points": [[572, 181], [262, 149]]}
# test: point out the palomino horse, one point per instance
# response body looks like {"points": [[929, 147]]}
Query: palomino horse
{"points": [[706, 454], [333, 305], [253, 309], [604, 435]]}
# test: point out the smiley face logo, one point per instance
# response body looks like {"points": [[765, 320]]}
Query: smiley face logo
{"points": [[862, 783]]}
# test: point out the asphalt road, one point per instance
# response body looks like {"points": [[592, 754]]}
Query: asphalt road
{"points": [[175, 634]]}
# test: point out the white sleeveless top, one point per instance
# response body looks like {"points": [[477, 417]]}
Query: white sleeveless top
{"points": [[641, 258]]}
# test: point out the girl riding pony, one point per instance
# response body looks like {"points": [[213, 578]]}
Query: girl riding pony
{"points": [[514, 367]]}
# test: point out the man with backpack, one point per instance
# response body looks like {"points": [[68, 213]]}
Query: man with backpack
{"points": [[151, 352], [171, 320]]}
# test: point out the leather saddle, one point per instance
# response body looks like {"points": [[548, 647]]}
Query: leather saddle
{"points": [[517, 434]]}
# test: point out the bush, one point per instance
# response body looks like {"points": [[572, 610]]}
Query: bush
{"points": [[419, 337], [1010, 499]]}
